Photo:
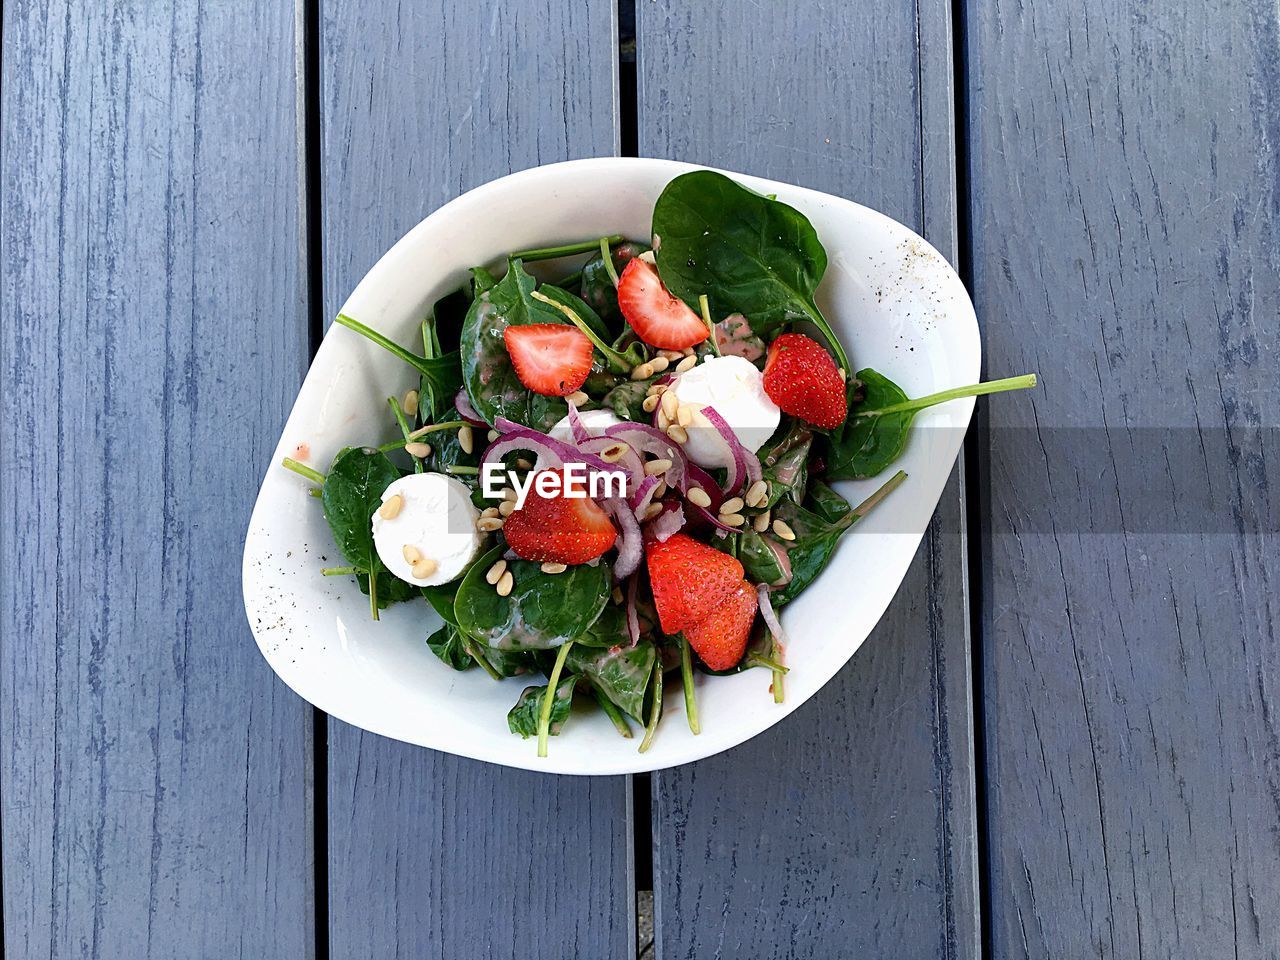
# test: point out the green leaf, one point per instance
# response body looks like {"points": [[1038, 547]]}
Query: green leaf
{"points": [[826, 503], [506, 663], [448, 644], [523, 717], [578, 306], [763, 557], [627, 400], [352, 492], [481, 281], [785, 461], [442, 374], [880, 419], [542, 611], [621, 673], [609, 629], [491, 381], [391, 589], [446, 451], [749, 254]]}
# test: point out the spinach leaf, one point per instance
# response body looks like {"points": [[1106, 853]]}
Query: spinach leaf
{"points": [[763, 557], [880, 419], [523, 718], [542, 611], [448, 644], [826, 503], [749, 254], [597, 285], [481, 281], [621, 673], [446, 451], [390, 588], [785, 461], [506, 663], [578, 306], [609, 630], [627, 400], [442, 374], [491, 381], [352, 492]]}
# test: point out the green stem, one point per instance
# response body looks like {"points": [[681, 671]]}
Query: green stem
{"points": [[422, 432], [955, 393], [705, 306], [315, 476], [607, 254], [419, 363], [339, 571], [315, 492], [617, 362], [564, 283], [613, 713], [819, 321], [373, 587], [548, 698], [568, 249], [886, 488], [461, 471], [778, 670], [478, 658], [655, 711], [404, 428], [686, 681]]}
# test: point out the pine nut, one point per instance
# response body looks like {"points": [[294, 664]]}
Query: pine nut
{"points": [[732, 505], [410, 403], [732, 519], [466, 439], [662, 420], [659, 388], [616, 595], [761, 523], [509, 494], [390, 508], [650, 403], [493, 435], [670, 405], [671, 355], [577, 398], [785, 532], [684, 416], [688, 351], [489, 524], [489, 512], [660, 489], [425, 568], [643, 372], [698, 497], [655, 467], [649, 257], [757, 493], [614, 453], [659, 364], [652, 510], [523, 464], [678, 433], [688, 363], [550, 567], [844, 374], [495, 572], [418, 450], [506, 508], [506, 583], [410, 553]]}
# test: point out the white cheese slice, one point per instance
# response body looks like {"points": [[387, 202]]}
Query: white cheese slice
{"points": [[436, 518]]}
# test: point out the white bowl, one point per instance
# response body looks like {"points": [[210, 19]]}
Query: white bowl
{"points": [[896, 304]]}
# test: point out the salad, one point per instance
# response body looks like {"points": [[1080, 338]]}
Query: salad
{"points": [[612, 477]]}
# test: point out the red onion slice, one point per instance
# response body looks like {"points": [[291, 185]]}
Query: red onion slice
{"points": [[646, 439], [629, 462], [630, 545], [576, 426], [462, 403], [668, 523], [644, 496], [771, 620], [745, 469], [551, 452], [633, 615]]}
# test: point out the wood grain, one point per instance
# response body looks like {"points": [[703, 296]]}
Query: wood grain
{"points": [[152, 334], [431, 855], [848, 829], [1125, 227]]}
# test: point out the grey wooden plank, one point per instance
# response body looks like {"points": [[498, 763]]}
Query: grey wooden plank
{"points": [[848, 830], [431, 855], [1125, 223], [152, 332]]}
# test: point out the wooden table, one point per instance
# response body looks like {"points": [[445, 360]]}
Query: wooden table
{"points": [[1062, 741]]}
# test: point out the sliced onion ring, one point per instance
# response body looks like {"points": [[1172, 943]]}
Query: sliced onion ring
{"points": [[745, 469], [771, 620], [462, 403], [630, 544], [633, 615], [668, 523]]}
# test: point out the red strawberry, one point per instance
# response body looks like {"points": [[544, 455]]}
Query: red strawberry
{"points": [[689, 579], [559, 529], [720, 638], [658, 318], [803, 380], [550, 358]]}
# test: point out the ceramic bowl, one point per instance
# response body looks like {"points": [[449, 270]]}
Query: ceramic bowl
{"points": [[894, 301]]}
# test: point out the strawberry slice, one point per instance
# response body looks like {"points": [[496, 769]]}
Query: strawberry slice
{"points": [[721, 637], [658, 318], [552, 359], [559, 529], [803, 380], [688, 578]]}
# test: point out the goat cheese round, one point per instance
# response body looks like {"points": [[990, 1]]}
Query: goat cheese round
{"points": [[735, 388], [437, 519], [596, 422]]}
